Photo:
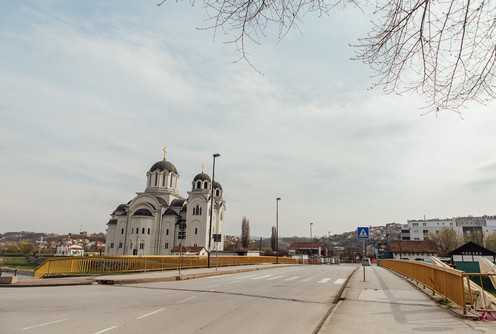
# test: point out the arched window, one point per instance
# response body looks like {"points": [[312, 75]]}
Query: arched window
{"points": [[171, 181], [217, 192], [198, 185], [163, 181], [156, 179], [143, 212], [149, 230], [205, 185], [200, 211], [167, 232]]}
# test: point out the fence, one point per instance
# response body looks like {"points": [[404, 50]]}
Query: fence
{"points": [[445, 281], [116, 264]]}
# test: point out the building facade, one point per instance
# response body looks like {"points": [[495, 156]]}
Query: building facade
{"points": [[149, 224]]}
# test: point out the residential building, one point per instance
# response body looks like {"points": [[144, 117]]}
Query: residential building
{"points": [[413, 250]]}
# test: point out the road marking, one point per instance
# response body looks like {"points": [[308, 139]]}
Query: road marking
{"points": [[260, 277], [182, 301], [275, 277], [106, 330], [47, 323], [292, 278], [307, 279], [151, 313], [324, 280], [243, 277], [340, 281]]}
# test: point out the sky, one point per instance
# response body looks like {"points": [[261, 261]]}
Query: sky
{"points": [[91, 92]]}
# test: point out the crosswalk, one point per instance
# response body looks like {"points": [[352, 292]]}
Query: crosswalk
{"points": [[290, 278]]}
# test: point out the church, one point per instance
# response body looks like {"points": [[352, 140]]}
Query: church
{"points": [[159, 219]]}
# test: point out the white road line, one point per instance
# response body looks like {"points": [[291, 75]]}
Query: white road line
{"points": [[292, 278], [260, 277], [243, 277], [339, 281], [307, 279], [182, 301], [324, 280], [275, 277], [47, 323], [151, 313], [106, 330]]}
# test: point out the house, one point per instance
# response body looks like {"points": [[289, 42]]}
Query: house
{"points": [[69, 250], [466, 257], [309, 248], [413, 250], [189, 250]]}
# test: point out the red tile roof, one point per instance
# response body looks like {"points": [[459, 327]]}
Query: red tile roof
{"points": [[305, 244], [409, 246]]}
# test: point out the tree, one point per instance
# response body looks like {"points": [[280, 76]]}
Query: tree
{"points": [[475, 235], [490, 242], [12, 249], [446, 240], [245, 233], [28, 248], [273, 238], [444, 50]]}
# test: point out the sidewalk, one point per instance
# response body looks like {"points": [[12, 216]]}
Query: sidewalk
{"points": [[144, 277], [387, 303]]}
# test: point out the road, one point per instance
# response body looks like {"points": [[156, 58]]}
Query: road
{"points": [[287, 299]]}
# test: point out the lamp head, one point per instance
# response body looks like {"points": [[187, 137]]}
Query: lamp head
{"points": [[216, 155]]}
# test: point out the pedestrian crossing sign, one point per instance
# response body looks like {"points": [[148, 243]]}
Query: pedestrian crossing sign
{"points": [[363, 232]]}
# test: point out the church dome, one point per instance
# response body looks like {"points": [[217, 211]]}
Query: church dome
{"points": [[202, 176], [217, 185], [164, 165]]}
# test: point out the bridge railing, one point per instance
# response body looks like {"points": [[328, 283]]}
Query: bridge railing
{"points": [[115, 264], [445, 281]]}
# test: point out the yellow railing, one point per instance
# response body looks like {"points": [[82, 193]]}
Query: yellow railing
{"points": [[445, 281], [113, 264]]}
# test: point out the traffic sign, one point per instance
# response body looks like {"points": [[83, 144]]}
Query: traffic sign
{"points": [[363, 232]]}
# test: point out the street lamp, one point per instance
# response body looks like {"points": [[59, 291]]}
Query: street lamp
{"points": [[277, 229], [311, 232], [216, 155]]}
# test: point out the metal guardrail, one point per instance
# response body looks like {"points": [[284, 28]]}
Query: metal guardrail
{"points": [[116, 264], [445, 281]]}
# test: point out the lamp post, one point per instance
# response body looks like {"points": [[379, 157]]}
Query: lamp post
{"points": [[277, 229], [216, 155], [311, 248], [311, 232]]}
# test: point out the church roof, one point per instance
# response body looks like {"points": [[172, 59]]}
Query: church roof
{"points": [[170, 212], [202, 176], [164, 165], [217, 185], [178, 202], [112, 221]]}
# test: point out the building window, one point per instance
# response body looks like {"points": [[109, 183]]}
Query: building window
{"points": [[171, 181], [131, 246], [137, 230], [148, 230], [122, 231], [156, 177], [166, 245], [142, 245], [196, 230], [424, 224], [167, 232], [217, 192], [143, 230], [132, 231], [414, 224], [111, 245], [198, 185], [120, 244], [163, 181], [205, 185]]}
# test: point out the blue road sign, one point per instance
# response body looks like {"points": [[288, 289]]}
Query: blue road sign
{"points": [[363, 232]]}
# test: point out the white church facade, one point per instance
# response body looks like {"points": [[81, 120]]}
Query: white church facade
{"points": [[150, 223]]}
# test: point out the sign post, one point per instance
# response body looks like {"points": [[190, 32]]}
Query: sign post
{"points": [[363, 233], [181, 236]]}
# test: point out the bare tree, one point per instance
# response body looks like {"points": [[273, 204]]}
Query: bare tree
{"points": [[446, 240], [444, 50], [245, 233], [490, 242], [273, 242]]}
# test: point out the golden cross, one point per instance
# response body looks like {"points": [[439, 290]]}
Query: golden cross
{"points": [[203, 168], [165, 151]]}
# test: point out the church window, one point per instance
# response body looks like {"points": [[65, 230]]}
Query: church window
{"points": [[148, 230], [149, 180], [163, 181], [171, 181], [143, 212], [131, 246], [120, 244], [143, 230], [111, 245], [137, 230], [122, 231], [132, 231], [156, 177], [142, 245], [167, 232], [198, 185], [166, 245], [217, 192], [196, 245], [196, 230], [200, 211], [205, 185]]}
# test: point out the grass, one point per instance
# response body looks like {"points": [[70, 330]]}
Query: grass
{"points": [[20, 262], [444, 302]]}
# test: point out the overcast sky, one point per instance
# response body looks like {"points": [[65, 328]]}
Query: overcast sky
{"points": [[91, 92]]}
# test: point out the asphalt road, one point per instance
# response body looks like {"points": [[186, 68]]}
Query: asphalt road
{"points": [[280, 300]]}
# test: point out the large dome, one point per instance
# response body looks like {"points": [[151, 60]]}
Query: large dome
{"points": [[164, 165], [217, 185], [202, 176]]}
